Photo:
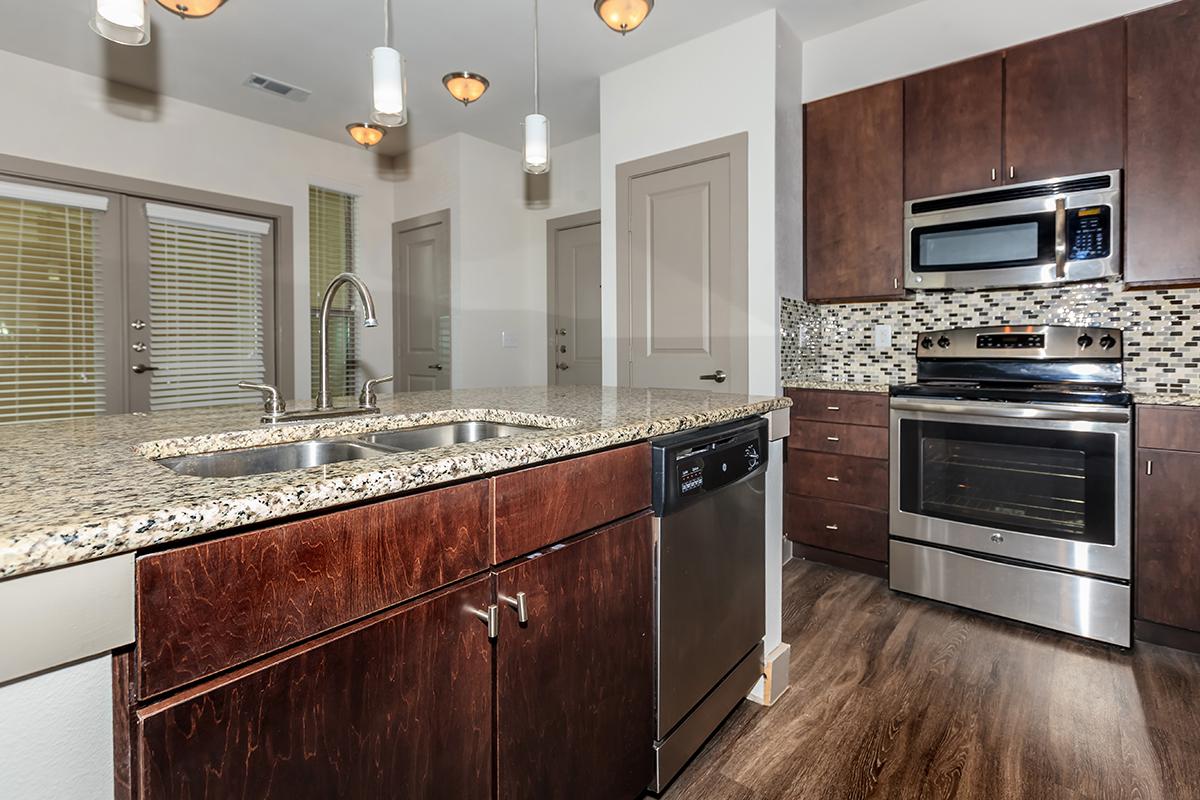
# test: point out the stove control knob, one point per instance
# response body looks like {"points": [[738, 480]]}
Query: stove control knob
{"points": [[1107, 342], [944, 342], [927, 342], [1084, 341]]}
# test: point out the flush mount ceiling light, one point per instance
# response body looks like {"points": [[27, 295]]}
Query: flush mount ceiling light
{"points": [[387, 72], [537, 148], [122, 21], [465, 87], [624, 15], [191, 8], [366, 134]]}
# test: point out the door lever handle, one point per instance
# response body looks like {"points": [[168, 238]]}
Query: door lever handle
{"points": [[138, 369], [718, 377]]}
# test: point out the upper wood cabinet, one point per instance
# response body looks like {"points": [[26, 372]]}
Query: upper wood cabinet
{"points": [[853, 195], [1162, 181], [1064, 109], [953, 123]]}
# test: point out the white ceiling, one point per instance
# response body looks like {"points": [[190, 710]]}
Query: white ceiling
{"points": [[323, 46]]}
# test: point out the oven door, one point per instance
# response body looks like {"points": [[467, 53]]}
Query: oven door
{"points": [[1044, 484]]}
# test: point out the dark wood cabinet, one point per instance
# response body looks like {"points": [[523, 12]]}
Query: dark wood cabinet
{"points": [[1064, 109], [397, 706], [574, 684], [853, 195], [1167, 568], [1162, 179], [953, 128]]}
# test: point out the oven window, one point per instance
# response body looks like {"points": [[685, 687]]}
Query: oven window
{"points": [[1059, 484], [984, 244]]}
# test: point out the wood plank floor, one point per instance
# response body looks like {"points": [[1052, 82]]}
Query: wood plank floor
{"points": [[894, 697]]}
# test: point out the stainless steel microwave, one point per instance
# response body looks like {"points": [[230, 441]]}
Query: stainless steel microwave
{"points": [[1043, 233]]}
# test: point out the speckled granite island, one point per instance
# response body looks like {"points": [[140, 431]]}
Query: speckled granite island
{"points": [[77, 490]]}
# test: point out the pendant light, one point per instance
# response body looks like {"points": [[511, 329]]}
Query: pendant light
{"points": [[387, 72], [465, 87], [537, 148], [191, 8], [122, 21], [624, 16], [366, 134]]}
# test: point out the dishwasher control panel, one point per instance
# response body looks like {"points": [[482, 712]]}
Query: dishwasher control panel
{"points": [[695, 463]]}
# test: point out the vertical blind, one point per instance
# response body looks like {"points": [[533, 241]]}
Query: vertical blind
{"points": [[332, 248], [206, 306], [51, 307]]}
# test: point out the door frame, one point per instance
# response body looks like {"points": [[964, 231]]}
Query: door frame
{"points": [[404, 226], [553, 228], [736, 148]]}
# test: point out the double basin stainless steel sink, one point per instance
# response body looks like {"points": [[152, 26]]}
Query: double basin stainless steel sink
{"points": [[321, 452]]}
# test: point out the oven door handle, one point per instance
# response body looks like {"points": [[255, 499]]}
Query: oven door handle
{"points": [[1060, 239], [1065, 413]]}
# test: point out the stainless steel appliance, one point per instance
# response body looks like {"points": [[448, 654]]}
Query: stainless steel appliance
{"points": [[1032, 234], [709, 582], [1011, 472]]}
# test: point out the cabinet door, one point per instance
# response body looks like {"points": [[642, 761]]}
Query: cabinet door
{"points": [[953, 123], [1162, 182], [574, 685], [854, 195], [396, 706], [1168, 539], [1064, 111]]}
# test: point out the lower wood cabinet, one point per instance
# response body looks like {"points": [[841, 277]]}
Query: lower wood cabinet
{"points": [[574, 684], [397, 706]]}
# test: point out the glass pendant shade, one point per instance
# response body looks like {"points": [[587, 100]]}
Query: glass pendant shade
{"points": [[387, 68], [122, 21], [537, 150], [624, 15], [191, 8], [366, 134], [465, 87]]}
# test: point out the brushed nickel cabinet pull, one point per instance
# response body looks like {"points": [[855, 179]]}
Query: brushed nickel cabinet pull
{"points": [[1012, 172], [520, 604], [491, 615], [1149, 467], [833, 438], [833, 408], [833, 478], [831, 527], [993, 173]]}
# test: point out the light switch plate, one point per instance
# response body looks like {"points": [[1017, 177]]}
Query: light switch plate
{"points": [[508, 339], [883, 337]]}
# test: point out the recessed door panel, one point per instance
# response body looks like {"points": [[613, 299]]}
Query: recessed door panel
{"points": [[422, 303], [576, 338]]}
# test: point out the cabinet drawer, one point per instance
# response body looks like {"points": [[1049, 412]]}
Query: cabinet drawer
{"points": [[846, 479], [1167, 428], [850, 440], [854, 530], [856, 408], [211, 606], [542, 505], [1167, 542]]}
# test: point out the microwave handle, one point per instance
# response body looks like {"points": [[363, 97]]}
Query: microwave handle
{"points": [[1060, 239]]}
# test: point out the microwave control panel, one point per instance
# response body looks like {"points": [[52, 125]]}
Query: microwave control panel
{"points": [[1089, 233]]}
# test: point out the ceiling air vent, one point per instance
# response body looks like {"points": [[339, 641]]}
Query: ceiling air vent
{"points": [[256, 81]]}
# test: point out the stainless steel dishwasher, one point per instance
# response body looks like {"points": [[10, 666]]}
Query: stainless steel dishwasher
{"points": [[709, 582]]}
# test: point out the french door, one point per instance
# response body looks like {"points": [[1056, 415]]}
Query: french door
{"points": [[111, 303]]}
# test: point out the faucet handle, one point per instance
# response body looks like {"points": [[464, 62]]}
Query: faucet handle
{"points": [[273, 404], [367, 400]]}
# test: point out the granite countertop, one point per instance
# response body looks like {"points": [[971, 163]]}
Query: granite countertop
{"points": [[82, 489], [837, 386], [1142, 397]]}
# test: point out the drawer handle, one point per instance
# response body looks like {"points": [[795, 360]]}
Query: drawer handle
{"points": [[831, 527], [833, 408], [833, 438], [520, 604], [833, 478]]}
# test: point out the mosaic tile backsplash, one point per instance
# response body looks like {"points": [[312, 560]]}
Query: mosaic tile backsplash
{"points": [[835, 342]]}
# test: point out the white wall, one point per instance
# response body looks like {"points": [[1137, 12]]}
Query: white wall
{"points": [[66, 117], [498, 247], [939, 32], [717, 85], [56, 733]]}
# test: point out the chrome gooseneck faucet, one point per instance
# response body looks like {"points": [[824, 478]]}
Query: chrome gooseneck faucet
{"points": [[323, 401]]}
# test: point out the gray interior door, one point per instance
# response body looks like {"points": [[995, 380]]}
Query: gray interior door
{"points": [[687, 285], [421, 282], [575, 317]]}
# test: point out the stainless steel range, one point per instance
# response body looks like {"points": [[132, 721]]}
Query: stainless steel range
{"points": [[1011, 473]]}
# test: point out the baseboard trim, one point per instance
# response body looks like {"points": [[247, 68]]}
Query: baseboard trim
{"points": [[1155, 633]]}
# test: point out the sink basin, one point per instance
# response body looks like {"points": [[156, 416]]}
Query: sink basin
{"points": [[262, 460], [443, 435]]}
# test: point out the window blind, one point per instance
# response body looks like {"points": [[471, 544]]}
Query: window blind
{"points": [[332, 248], [206, 307], [51, 310]]}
